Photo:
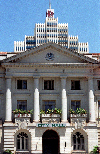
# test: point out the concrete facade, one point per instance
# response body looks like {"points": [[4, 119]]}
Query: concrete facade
{"points": [[49, 62]]}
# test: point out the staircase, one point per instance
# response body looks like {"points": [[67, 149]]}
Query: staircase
{"points": [[99, 137]]}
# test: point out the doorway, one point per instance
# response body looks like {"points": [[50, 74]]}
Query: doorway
{"points": [[50, 142]]}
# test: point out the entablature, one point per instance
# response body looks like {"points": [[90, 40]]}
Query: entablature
{"points": [[65, 65]]}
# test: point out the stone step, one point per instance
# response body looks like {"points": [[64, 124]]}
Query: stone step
{"points": [[9, 139], [99, 138]]}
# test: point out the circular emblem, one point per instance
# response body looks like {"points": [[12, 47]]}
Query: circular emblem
{"points": [[49, 56]]}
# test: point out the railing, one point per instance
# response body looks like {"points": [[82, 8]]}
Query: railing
{"points": [[50, 118], [80, 153], [22, 117], [22, 153]]}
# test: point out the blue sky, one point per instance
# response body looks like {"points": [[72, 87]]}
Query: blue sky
{"points": [[18, 18]]}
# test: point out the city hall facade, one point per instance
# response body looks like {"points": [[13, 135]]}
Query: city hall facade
{"points": [[45, 77]]}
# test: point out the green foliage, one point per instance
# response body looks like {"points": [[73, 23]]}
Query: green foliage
{"points": [[8, 151], [53, 111], [78, 111], [49, 111], [57, 111], [71, 111], [42, 111], [18, 111], [95, 150]]}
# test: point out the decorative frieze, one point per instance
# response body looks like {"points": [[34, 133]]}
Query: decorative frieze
{"points": [[22, 120], [78, 120]]}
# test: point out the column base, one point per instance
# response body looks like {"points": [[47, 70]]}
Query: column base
{"points": [[35, 121], [8, 121], [91, 123], [64, 121]]}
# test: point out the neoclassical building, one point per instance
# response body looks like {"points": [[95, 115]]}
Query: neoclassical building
{"points": [[48, 77]]}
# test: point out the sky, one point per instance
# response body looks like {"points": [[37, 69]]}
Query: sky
{"points": [[18, 18]]}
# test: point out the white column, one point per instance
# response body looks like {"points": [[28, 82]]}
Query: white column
{"points": [[91, 100], [8, 100], [36, 100], [64, 100]]}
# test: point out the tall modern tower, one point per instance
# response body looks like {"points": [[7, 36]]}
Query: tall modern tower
{"points": [[51, 31]]}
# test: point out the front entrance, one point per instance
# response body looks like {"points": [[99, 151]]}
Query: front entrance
{"points": [[50, 142]]}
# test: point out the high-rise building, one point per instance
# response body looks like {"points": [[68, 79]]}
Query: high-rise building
{"points": [[51, 31]]}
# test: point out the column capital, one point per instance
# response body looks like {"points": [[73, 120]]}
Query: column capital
{"points": [[8, 77], [90, 77], [63, 77], [36, 76]]}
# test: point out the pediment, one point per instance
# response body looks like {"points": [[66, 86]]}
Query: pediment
{"points": [[49, 53]]}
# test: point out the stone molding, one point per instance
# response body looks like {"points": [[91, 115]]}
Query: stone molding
{"points": [[66, 65]]}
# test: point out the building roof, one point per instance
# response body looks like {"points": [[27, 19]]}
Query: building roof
{"points": [[52, 45]]}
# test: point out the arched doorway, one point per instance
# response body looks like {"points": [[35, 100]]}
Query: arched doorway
{"points": [[50, 142]]}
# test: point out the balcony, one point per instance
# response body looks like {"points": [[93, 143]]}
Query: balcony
{"points": [[78, 117], [22, 152], [78, 120], [22, 117], [50, 118]]}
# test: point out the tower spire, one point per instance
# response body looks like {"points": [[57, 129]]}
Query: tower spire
{"points": [[49, 4]]}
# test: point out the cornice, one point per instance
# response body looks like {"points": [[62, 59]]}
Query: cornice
{"points": [[53, 65], [50, 45]]}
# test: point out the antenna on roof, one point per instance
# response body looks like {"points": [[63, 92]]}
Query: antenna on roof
{"points": [[49, 4]]}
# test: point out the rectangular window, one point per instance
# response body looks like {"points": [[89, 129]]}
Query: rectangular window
{"points": [[18, 143], [22, 104], [98, 83], [75, 85], [99, 108], [49, 104], [21, 84], [75, 104], [48, 84]]}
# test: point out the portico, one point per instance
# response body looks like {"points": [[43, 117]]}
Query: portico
{"points": [[36, 83]]}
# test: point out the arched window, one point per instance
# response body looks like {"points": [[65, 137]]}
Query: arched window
{"points": [[22, 141], [78, 141]]}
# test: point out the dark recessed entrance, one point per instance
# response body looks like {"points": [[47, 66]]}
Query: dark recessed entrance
{"points": [[50, 142]]}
